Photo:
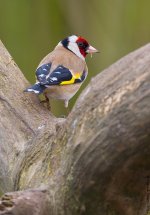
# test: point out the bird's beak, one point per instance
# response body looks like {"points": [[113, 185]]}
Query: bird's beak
{"points": [[91, 50]]}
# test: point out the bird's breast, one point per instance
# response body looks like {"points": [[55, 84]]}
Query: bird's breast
{"points": [[65, 92]]}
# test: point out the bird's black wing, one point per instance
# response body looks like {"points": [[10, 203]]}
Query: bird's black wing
{"points": [[56, 77], [42, 73], [59, 76], [63, 76]]}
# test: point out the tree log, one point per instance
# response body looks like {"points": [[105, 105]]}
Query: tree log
{"points": [[93, 162]]}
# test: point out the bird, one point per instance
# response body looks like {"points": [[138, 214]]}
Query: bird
{"points": [[61, 73]]}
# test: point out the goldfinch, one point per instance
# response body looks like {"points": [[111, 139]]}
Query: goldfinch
{"points": [[61, 73]]}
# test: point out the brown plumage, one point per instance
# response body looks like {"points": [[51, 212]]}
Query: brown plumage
{"points": [[62, 56], [61, 73]]}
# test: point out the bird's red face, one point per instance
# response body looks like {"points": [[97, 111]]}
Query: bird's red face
{"points": [[84, 47], [78, 45]]}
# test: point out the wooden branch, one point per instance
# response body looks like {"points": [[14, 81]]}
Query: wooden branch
{"points": [[95, 161], [22, 203], [21, 118]]}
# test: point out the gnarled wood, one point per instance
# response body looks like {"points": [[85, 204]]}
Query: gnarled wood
{"points": [[93, 162]]}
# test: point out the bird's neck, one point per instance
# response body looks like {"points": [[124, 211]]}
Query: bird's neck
{"points": [[72, 49]]}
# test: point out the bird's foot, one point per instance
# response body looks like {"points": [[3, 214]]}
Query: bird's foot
{"points": [[47, 102]]}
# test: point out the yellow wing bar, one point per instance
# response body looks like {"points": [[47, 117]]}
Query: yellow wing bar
{"points": [[72, 80]]}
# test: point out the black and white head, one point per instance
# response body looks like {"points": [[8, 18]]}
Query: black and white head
{"points": [[78, 45]]}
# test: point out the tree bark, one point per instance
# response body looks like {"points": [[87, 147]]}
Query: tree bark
{"points": [[93, 162]]}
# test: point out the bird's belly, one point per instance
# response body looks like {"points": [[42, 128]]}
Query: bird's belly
{"points": [[65, 92]]}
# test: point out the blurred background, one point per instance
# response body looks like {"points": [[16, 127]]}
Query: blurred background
{"points": [[31, 28]]}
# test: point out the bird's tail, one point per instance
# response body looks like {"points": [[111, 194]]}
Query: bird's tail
{"points": [[36, 88]]}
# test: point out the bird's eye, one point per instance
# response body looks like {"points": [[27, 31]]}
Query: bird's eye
{"points": [[80, 44]]}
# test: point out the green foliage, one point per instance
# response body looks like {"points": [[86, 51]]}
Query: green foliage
{"points": [[30, 29]]}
